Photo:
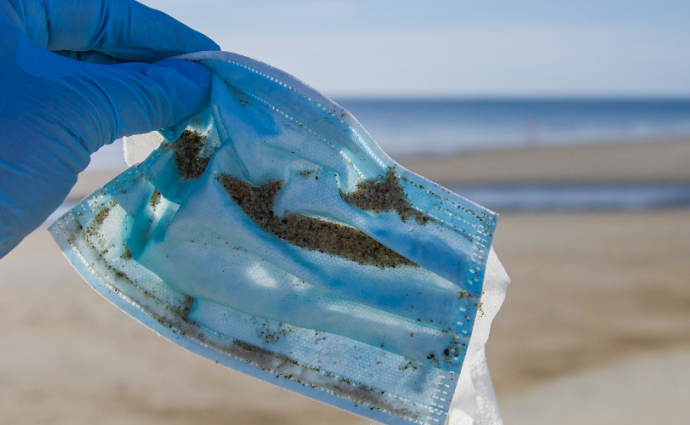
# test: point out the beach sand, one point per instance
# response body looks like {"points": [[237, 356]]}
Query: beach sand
{"points": [[645, 389], [589, 292], [588, 289], [595, 328]]}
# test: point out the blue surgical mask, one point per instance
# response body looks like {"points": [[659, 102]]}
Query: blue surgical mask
{"points": [[272, 235]]}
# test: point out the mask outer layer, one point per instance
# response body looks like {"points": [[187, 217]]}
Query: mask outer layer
{"points": [[272, 235]]}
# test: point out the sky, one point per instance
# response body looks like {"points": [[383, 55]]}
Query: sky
{"points": [[459, 48]]}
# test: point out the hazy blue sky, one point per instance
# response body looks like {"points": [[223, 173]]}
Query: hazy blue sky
{"points": [[459, 47]]}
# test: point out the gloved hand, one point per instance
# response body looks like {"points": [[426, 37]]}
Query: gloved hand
{"points": [[75, 75]]}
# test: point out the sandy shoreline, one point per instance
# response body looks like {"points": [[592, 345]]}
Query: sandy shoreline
{"points": [[589, 291], [658, 162]]}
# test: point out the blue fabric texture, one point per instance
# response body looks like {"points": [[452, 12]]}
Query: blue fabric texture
{"points": [[74, 76], [269, 233]]}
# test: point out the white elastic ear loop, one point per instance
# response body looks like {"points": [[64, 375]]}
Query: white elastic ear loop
{"points": [[474, 401], [140, 146]]}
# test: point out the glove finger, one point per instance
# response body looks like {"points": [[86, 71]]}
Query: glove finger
{"points": [[90, 56], [136, 98], [123, 29]]}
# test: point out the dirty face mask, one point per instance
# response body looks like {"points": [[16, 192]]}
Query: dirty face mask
{"points": [[272, 235]]}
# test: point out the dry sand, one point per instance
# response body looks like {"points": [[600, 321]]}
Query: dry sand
{"points": [[596, 325], [589, 291], [642, 390]]}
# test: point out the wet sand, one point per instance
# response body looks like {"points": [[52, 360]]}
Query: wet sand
{"points": [[589, 292], [645, 162]]}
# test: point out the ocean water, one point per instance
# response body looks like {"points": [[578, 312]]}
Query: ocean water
{"points": [[409, 129], [599, 197]]}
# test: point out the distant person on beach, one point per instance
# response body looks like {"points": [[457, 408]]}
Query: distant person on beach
{"points": [[74, 76]]}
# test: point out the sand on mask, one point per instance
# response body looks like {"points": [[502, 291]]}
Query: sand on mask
{"points": [[187, 151], [384, 193], [308, 232]]}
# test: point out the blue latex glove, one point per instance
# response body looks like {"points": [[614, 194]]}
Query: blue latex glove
{"points": [[74, 76]]}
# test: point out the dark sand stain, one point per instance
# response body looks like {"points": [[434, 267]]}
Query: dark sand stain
{"points": [[186, 153], [384, 193], [307, 232], [126, 254], [155, 199]]}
